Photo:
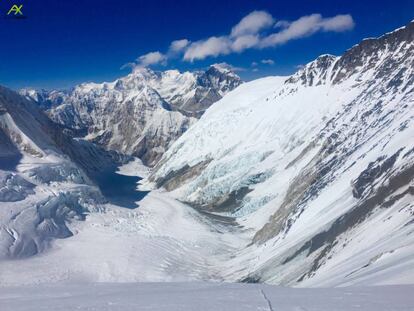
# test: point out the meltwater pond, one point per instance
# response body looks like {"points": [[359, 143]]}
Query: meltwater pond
{"points": [[119, 189]]}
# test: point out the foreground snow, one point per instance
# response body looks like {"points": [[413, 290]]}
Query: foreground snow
{"points": [[203, 296]]}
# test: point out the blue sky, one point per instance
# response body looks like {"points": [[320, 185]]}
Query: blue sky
{"points": [[62, 43]]}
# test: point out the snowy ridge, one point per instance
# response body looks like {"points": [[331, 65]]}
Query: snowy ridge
{"points": [[318, 167], [140, 114]]}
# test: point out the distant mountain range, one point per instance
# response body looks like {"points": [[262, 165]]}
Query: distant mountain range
{"points": [[140, 114]]}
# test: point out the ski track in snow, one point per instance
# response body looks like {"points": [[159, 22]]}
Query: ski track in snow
{"points": [[269, 304]]}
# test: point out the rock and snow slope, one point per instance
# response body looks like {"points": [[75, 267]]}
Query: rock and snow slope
{"points": [[318, 167], [44, 183], [140, 114]]}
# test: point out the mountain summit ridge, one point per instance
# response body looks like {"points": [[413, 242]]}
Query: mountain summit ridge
{"points": [[139, 114]]}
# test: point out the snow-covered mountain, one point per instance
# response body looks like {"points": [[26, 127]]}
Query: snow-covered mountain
{"points": [[44, 98], [45, 179], [193, 92], [317, 167], [59, 199], [140, 114]]}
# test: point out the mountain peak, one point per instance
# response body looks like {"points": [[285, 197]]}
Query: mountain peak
{"points": [[222, 68], [140, 113], [391, 50], [315, 72]]}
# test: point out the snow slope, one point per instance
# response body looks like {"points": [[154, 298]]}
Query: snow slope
{"points": [[318, 168], [203, 296], [162, 240]]}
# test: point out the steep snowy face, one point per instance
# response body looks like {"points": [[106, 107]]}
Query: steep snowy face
{"points": [[45, 99], [319, 167], [221, 78], [127, 116], [140, 114], [43, 178], [193, 92], [315, 73]]}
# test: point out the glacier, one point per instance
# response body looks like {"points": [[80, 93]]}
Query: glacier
{"points": [[317, 167]]}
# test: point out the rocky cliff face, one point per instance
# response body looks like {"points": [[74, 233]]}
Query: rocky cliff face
{"points": [[319, 167], [140, 114]]}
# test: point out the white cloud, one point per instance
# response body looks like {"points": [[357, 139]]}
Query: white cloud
{"points": [[243, 36], [146, 60], [247, 33], [244, 42], [306, 26], [129, 65], [213, 46], [268, 61], [251, 32], [338, 23], [229, 67], [151, 58], [254, 64], [252, 23], [179, 45]]}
